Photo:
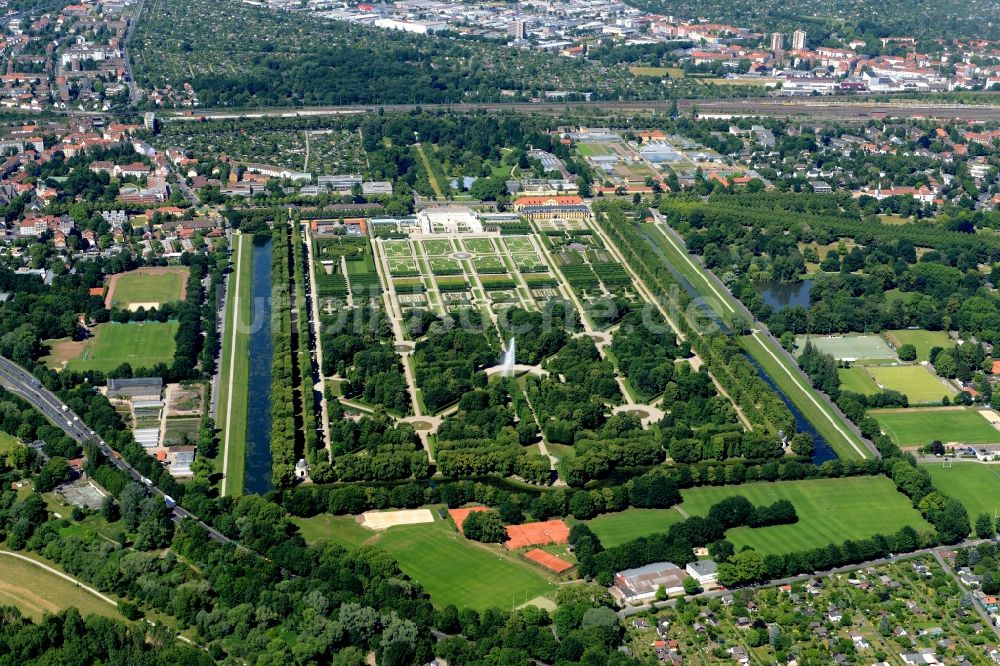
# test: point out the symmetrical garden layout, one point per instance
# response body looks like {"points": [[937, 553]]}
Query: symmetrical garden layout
{"points": [[413, 323]]}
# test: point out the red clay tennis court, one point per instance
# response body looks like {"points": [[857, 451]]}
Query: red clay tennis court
{"points": [[548, 561], [537, 534], [459, 515]]}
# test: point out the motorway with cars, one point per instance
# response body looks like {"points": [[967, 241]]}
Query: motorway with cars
{"points": [[19, 381]]}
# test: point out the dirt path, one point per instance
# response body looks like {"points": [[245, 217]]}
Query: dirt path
{"points": [[430, 174]]}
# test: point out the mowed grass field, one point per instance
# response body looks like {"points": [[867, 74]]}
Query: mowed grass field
{"points": [[857, 380], [617, 528], [975, 485], [849, 347], [143, 285], [658, 72], [142, 345], [233, 420], [343, 530], [35, 591], [916, 382], [454, 570], [829, 510], [922, 340], [911, 427], [8, 443]]}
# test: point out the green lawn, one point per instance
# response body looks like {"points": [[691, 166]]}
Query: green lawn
{"points": [[617, 528], [342, 530], [918, 383], [8, 443], [909, 427], [976, 485], [232, 421], [837, 433], [922, 340], [142, 345], [456, 571], [829, 510], [857, 380], [35, 591], [144, 286]]}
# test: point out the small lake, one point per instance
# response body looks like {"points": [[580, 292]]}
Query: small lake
{"points": [[257, 476], [781, 295]]}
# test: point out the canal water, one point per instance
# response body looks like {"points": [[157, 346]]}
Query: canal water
{"points": [[821, 448], [257, 476], [781, 295]]}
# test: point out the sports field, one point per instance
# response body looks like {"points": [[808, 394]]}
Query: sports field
{"points": [[857, 380], [617, 528], [922, 340], [235, 368], [829, 510], [913, 427], [850, 347], [658, 72], [142, 345], [36, 591], [147, 287], [342, 530], [975, 485], [916, 382], [456, 571]]}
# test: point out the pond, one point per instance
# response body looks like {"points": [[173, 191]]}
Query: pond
{"points": [[781, 295], [257, 476]]}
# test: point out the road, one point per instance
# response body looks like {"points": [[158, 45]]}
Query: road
{"points": [[19, 381], [133, 89], [841, 108]]}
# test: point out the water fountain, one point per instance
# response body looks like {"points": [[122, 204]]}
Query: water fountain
{"points": [[508, 360]]}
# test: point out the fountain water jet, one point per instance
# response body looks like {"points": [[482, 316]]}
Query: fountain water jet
{"points": [[508, 360]]}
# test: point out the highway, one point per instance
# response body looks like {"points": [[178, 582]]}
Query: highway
{"points": [[18, 380], [843, 108]]}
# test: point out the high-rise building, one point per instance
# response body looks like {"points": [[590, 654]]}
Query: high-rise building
{"points": [[149, 120], [798, 40], [518, 31], [777, 41]]}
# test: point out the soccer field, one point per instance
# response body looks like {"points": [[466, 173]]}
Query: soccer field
{"points": [[911, 427], [141, 345], [617, 528], [975, 485], [916, 382], [829, 510], [850, 347], [148, 286], [857, 380], [922, 340], [456, 571]]}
